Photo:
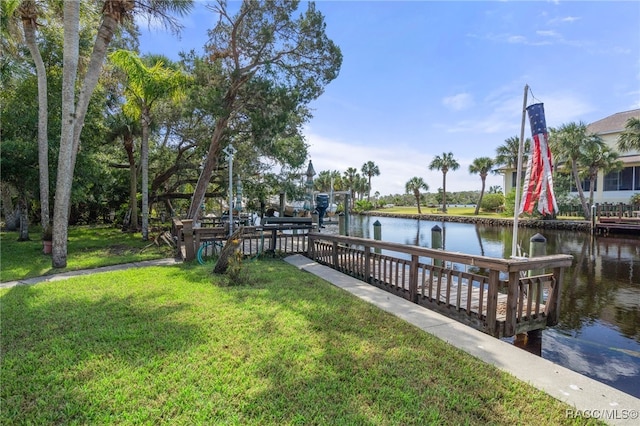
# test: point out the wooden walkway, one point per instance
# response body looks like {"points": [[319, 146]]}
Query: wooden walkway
{"points": [[492, 295], [606, 225]]}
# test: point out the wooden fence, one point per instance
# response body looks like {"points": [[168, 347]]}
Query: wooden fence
{"points": [[501, 297], [285, 236]]}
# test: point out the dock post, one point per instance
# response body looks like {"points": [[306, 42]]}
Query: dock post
{"points": [[187, 232], [341, 224], [436, 242], [377, 233], [282, 203]]}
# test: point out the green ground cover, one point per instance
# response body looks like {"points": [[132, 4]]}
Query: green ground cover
{"points": [[164, 345], [453, 211], [89, 247]]}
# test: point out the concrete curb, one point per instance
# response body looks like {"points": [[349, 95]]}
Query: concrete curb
{"points": [[585, 395]]}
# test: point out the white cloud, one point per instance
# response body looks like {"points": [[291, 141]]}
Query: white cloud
{"points": [[548, 33], [398, 163], [458, 102]]}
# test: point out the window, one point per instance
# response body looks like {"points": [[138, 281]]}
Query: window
{"points": [[585, 184], [513, 178], [626, 180]]}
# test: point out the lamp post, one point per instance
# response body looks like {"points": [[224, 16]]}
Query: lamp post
{"points": [[230, 151]]}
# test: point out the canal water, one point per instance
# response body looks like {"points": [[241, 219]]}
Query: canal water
{"points": [[599, 330]]}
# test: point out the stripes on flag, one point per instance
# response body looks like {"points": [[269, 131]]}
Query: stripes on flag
{"points": [[538, 182]]}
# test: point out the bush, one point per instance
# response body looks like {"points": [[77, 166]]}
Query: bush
{"points": [[492, 202], [362, 205], [635, 199]]}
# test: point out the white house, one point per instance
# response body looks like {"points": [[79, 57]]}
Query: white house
{"points": [[614, 187]]}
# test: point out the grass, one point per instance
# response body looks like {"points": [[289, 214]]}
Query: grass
{"points": [[163, 345], [451, 211], [454, 211], [88, 247]]}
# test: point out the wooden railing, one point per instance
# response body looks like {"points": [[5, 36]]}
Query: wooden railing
{"points": [[281, 236], [501, 297]]}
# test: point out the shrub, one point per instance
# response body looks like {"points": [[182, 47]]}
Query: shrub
{"points": [[492, 202], [362, 205]]}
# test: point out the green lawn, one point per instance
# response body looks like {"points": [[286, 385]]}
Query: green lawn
{"points": [[163, 345], [454, 211], [88, 247]]}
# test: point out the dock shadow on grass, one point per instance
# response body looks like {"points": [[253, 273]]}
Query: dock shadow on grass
{"points": [[74, 351]]}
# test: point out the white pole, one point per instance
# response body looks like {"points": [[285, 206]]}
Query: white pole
{"points": [[516, 210]]}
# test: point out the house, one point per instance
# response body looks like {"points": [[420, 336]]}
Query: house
{"points": [[614, 187]]}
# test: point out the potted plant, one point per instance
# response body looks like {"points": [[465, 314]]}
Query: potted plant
{"points": [[47, 240]]}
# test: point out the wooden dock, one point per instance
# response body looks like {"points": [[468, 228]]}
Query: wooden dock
{"points": [[496, 296], [606, 225], [502, 297]]}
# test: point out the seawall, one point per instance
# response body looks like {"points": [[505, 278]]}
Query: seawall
{"points": [[566, 225]]}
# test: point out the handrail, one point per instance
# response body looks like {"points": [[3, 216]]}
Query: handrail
{"points": [[468, 296]]}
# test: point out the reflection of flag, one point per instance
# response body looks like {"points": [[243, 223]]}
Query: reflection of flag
{"points": [[538, 182]]}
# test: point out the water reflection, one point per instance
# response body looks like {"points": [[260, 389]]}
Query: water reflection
{"points": [[599, 330]]}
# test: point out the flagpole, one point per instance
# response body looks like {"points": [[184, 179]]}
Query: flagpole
{"points": [[516, 210]]}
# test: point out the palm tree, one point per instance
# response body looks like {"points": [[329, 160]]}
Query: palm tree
{"points": [[481, 166], [29, 13], [149, 80], [370, 169], [413, 186], [349, 179], [114, 13], [630, 139], [324, 181], [121, 127], [507, 153], [444, 164], [596, 156], [567, 142]]}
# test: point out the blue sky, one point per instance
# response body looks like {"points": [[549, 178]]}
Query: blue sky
{"points": [[420, 78]]}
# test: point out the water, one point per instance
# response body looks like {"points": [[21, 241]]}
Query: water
{"points": [[598, 334]]}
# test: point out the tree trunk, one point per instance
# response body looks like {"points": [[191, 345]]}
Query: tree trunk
{"points": [[29, 27], [444, 192], [66, 154], [24, 218], [228, 250], [144, 162], [576, 177], [133, 183], [417, 195], [73, 116], [207, 171], [481, 195], [214, 148]]}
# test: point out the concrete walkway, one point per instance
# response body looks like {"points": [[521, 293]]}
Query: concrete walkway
{"points": [[65, 275], [587, 396]]}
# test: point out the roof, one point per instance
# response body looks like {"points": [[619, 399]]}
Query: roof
{"points": [[612, 124]]}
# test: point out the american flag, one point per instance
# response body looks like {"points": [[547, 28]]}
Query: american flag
{"points": [[538, 182]]}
